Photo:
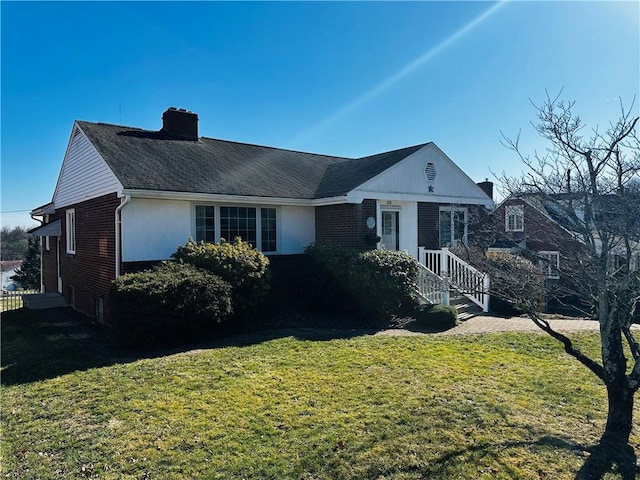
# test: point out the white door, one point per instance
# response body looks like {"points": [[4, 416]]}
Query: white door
{"points": [[390, 236]]}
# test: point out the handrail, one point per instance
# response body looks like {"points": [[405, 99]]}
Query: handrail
{"points": [[471, 282], [431, 287]]}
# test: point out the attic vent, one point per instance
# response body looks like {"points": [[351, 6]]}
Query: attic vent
{"points": [[430, 171]]}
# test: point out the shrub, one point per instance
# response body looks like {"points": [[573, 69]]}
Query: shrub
{"points": [[378, 283], [437, 317], [384, 281], [517, 285], [328, 268], [170, 303], [238, 263]]}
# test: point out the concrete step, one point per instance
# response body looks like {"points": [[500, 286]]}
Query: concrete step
{"points": [[41, 301], [465, 307]]}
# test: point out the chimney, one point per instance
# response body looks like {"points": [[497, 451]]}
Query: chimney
{"points": [[487, 187], [180, 124]]}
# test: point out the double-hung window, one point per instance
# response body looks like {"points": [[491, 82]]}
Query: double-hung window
{"points": [[514, 218], [71, 231], [549, 263], [255, 225]]}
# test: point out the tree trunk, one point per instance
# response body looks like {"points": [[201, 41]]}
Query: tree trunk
{"points": [[614, 447]]}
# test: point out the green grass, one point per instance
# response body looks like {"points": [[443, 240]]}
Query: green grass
{"points": [[509, 406]]}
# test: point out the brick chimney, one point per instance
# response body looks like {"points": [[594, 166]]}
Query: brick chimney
{"points": [[487, 187], [180, 124]]}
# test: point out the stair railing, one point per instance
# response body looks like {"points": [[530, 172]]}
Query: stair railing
{"points": [[431, 287], [471, 282]]}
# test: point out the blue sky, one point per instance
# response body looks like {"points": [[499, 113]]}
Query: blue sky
{"points": [[347, 79]]}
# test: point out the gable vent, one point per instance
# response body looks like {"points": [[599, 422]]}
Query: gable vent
{"points": [[430, 171]]}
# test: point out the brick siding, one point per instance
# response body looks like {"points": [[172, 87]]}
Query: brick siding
{"points": [[89, 272], [346, 224]]}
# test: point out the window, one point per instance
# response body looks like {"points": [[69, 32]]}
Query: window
{"points": [[240, 222], [71, 231], [205, 223], [549, 264], [268, 229], [453, 226], [514, 218]]}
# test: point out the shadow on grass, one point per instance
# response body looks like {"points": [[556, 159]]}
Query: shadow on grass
{"points": [[43, 344]]}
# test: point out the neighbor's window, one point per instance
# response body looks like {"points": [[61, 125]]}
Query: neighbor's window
{"points": [[205, 223], [549, 263], [71, 231], [514, 218]]}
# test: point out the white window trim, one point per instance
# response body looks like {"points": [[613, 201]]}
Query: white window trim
{"points": [[70, 231], [547, 254], [258, 209], [452, 209], [517, 210]]}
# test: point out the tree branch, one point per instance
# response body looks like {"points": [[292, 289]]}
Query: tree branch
{"points": [[595, 367]]}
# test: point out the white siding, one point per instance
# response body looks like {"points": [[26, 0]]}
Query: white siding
{"points": [[407, 181], [153, 229], [84, 174], [297, 229]]}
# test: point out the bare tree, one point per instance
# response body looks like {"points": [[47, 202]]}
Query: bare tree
{"points": [[592, 182]]}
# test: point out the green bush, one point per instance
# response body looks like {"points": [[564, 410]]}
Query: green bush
{"points": [[377, 283], [437, 317], [384, 281], [170, 303], [517, 285], [238, 263]]}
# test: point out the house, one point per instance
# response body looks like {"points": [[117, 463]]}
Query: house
{"points": [[126, 198], [8, 269], [537, 225]]}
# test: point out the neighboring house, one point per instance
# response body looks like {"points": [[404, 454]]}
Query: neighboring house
{"points": [[127, 197], [528, 222], [9, 268]]}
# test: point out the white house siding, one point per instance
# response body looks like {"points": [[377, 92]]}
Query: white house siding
{"points": [[407, 181], [408, 223], [84, 174], [297, 229], [153, 229]]}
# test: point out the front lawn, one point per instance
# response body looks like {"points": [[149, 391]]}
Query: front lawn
{"points": [[298, 407]]}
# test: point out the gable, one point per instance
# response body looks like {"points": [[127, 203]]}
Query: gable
{"points": [[84, 174], [426, 175]]}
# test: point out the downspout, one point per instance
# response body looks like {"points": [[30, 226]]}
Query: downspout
{"points": [[41, 255], [123, 202]]}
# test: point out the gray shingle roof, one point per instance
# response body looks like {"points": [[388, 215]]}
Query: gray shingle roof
{"points": [[149, 160]]}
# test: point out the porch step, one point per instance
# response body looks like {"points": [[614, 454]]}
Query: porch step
{"points": [[41, 301], [465, 307]]}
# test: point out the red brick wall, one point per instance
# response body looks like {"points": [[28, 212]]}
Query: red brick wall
{"points": [[90, 271], [346, 224], [429, 222]]}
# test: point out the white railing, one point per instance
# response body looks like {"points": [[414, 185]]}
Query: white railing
{"points": [[431, 287], [471, 282]]}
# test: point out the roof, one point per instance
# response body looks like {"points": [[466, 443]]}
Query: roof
{"points": [[150, 160], [53, 229]]}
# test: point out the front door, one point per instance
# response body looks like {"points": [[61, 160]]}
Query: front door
{"points": [[390, 237]]}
